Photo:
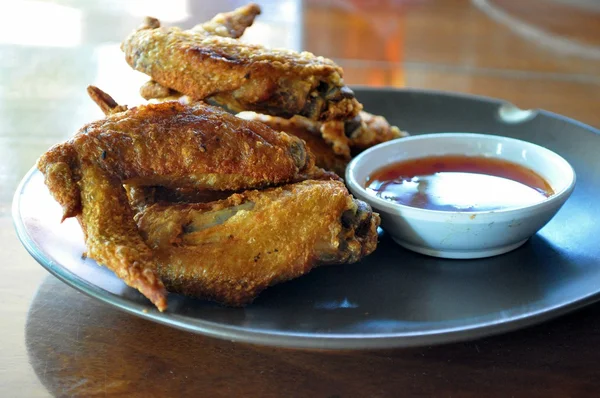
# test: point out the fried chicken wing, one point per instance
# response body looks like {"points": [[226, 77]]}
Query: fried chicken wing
{"points": [[333, 143], [111, 235], [140, 197], [168, 144], [352, 136], [308, 131], [359, 133], [231, 250], [230, 24], [198, 145], [154, 90], [204, 65]]}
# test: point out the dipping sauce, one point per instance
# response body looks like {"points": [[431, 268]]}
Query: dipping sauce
{"points": [[459, 183]]}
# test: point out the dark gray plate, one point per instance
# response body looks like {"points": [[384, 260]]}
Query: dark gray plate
{"points": [[394, 297]]}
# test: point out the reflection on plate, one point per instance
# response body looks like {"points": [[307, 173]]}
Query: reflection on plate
{"points": [[394, 297]]}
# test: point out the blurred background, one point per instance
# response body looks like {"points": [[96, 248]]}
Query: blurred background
{"points": [[534, 53]]}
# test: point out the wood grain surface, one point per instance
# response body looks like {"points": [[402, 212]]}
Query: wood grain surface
{"points": [[58, 342], [85, 348]]}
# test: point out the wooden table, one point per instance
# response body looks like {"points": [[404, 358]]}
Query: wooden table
{"points": [[56, 341]]}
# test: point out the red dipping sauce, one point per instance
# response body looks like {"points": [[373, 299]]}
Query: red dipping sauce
{"points": [[459, 183]]}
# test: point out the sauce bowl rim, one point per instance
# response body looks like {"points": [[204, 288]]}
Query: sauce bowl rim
{"points": [[397, 208]]}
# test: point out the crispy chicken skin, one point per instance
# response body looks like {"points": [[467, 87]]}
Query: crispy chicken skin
{"points": [[197, 145], [333, 143], [159, 144], [308, 131], [153, 90], [141, 197], [359, 133], [204, 65], [231, 250], [230, 24], [111, 235]]}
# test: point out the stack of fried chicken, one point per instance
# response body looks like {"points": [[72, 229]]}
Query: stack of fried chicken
{"points": [[182, 195]]}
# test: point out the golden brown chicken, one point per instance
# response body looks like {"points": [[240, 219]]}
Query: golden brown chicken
{"points": [[308, 131], [333, 143], [231, 250], [208, 62], [141, 197], [349, 137], [229, 24], [369, 130], [168, 144]]}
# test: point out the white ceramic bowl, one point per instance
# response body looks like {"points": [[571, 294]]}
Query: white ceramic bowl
{"points": [[451, 234]]}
